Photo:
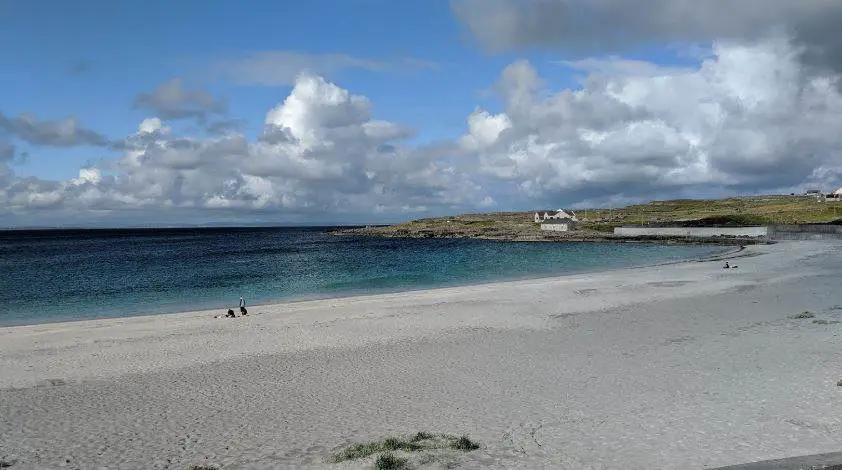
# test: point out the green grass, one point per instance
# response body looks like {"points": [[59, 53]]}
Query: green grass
{"points": [[420, 442], [389, 461], [421, 436], [464, 444], [756, 210]]}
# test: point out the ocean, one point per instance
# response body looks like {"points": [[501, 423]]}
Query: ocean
{"points": [[59, 275]]}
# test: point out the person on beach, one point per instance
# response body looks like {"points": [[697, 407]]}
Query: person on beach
{"points": [[230, 313], [724, 267], [243, 307]]}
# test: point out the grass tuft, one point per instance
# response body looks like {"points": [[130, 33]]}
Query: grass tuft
{"points": [[203, 467], [6, 463], [804, 314], [357, 451], [389, 461], [400, 444], [422, 436], [465, 444], [420, 442]]}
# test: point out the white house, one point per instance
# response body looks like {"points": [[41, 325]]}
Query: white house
{"points": [[558, 225], [555, 215]]}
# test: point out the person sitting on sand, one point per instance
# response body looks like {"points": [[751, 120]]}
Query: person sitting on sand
{"points": [[230, 313], [726, 265]]}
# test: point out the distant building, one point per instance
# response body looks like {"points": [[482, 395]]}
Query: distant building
{"points": [[559, 225], [541, 216], [816, 193]]}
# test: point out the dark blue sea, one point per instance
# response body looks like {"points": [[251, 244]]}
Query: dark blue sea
{"points": [[58, 275]]}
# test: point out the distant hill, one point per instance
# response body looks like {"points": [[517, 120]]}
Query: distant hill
{"points": [[600, 223]]}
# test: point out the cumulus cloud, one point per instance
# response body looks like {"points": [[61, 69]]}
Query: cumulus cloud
{"points": [[67, 132], [322, 155], [748, 119], [605, 26], [751, 117], [274, 68], [170, 100]]}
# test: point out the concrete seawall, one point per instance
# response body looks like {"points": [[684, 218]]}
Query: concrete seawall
{"points": [[772, 232], [695, 232], [805, 232]]}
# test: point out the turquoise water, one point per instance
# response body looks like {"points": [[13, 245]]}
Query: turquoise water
{"points": [[68, 275]]}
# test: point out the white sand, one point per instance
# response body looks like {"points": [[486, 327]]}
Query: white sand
{"points": [[680, 366]]}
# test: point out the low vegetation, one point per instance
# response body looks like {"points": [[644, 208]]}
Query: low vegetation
{"points": [[203, 467], [389, 461], [464, 444], [6, 463], [600, 223], [804, 314], [391, 451]]}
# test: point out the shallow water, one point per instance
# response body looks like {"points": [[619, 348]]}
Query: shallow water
{"points": [[67, 275]]}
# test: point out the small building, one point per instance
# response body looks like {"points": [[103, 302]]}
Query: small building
{"points": [[558, 225], [816, 193], [541, 216]]}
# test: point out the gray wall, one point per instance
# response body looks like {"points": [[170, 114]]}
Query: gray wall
{"points": [[691, 231], [555, 227], [805, 232], [773, 232]]}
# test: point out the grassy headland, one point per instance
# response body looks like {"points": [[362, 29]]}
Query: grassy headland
{"points": [[598, 224]]}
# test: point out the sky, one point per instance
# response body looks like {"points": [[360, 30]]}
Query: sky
{"points": [[195, 112]]}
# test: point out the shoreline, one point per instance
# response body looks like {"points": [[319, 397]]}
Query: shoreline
{"points": [[556, 237], [675, 366], [726, 254]]}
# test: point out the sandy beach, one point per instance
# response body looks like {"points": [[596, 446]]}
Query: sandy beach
{"points": [[671, 367]]}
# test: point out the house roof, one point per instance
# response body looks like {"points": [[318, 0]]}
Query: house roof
{"points": [[555, 211]]}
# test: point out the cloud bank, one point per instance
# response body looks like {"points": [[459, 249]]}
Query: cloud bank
{"points": [[758, 114], [321, 154], [615, 26]]}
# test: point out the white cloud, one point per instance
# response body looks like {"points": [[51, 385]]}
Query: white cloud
{"points": [[323, 154], [171, 100], [750, 118]]}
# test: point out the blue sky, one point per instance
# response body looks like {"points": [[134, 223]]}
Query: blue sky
{"points": [[577, 71], [89, 60], [125, 47]]}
